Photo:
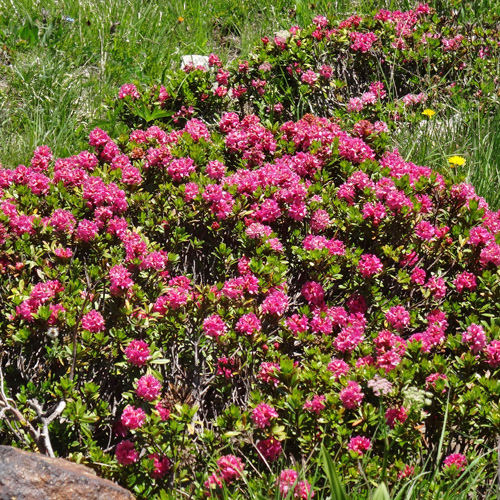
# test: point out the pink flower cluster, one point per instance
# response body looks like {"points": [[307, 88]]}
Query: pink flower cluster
{"points": [[214, 326], [138, 352], [120, 280], [129, 89], [309, 77], [262, 415], [313, 292], [432, 379], [230, 468], [335, 247], [275, 303], [492, 352], [316, 404], [93, 322], [267, 372], [288, 481], [248, 324], [180, 168], [465, 281], [359, 444], [62, 221], [176, 295], [270, 449], [338, 367], [226, 367], [126, 453], [395, 416], [475, 337], [41, 293], [398, 317], [133, 418], [42, 156], [390, 349], [148, 387], [249, 137], [362, 42], [351, 335], [369, 265], [412, 99], [455, 461], [452, 44], [161, 465], [434, 334], [351, 396]]}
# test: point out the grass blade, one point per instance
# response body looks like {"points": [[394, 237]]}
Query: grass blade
{"points": [[337, 489], [381, 493]]}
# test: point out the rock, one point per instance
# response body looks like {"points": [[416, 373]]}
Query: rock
{"points": [[31, 476], [195, 60], [283, 34]]}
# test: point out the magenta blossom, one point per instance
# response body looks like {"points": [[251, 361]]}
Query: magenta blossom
{"points": [[148, 387], [137, 352], [316, 404], [262, 414], [126, 453], [270, 449], [230, 468], [351, 396], [369, 265], [93, 322], [132, 417], [455, 461], [359, 444]]}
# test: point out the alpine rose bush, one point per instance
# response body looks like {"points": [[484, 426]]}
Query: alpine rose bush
{"points": [[253, 290], [338, 67], [316, 324]]}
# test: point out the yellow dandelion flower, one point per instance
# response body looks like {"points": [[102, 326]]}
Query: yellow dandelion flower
{"points": [[180, 19], [456, 160], [428, 112]]}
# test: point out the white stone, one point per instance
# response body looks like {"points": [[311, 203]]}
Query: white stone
{"points": [[195, 60]]}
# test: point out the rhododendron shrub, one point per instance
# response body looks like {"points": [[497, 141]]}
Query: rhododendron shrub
{"points": [[374, 69], [259, 291]]}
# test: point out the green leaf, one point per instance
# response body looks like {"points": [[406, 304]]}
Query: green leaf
{"points": [[231, 434], [160, 361], [337, 489]]}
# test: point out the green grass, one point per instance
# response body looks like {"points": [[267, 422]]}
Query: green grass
{"points": [[430, 484], [61, 63], [471, 134]]}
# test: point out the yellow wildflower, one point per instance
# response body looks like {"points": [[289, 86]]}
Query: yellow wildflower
{"points": [[428, 112], [456, 160]]}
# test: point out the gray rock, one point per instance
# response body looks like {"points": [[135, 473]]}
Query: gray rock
{"points": [[195, 60], [283, 34], [31, 476]]}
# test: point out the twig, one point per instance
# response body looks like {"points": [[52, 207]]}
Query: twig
{"points": [[46, 419], [88, 294], [42, 438]]}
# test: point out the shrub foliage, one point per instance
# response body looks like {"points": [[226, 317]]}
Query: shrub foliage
{"points": [[205, 304], [328, 69]]}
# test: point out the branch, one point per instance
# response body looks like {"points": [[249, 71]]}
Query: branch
{"points": [[46, 419], [9, 405], [42, 438], [90, 290]]}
